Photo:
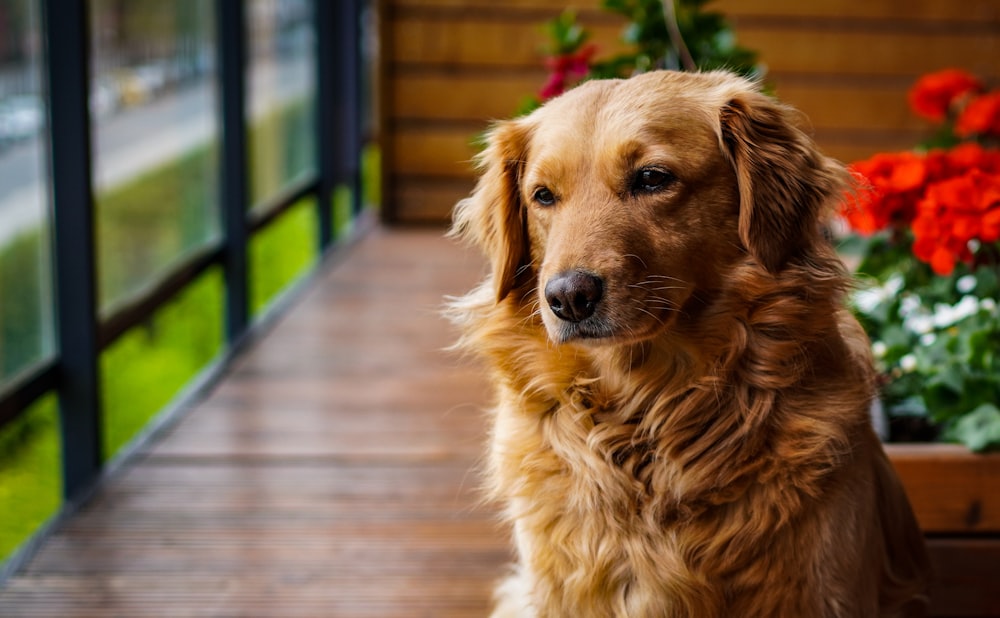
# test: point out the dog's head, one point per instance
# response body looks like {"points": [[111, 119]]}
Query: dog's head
{"points": [[620, 203]]}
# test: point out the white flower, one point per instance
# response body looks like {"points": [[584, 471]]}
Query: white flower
{"points": [[879, 349], [946, 315], [868, 299], [988, 304], [928, 339], [966, 284], [908, 363], [909, 304], [920, 323], [923, 322]]}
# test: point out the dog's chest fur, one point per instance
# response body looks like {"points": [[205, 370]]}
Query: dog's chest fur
{"points": [[623, 506]]}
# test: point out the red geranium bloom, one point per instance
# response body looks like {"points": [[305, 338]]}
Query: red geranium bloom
{"points": [[933, 94], [954, 212], [566, 69], [960, 159], [890, 187], [980, 117]]}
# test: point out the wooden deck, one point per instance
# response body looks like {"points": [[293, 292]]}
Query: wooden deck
{"points": [[330, 473]]}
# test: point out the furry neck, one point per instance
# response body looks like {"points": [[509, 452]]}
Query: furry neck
{"points": [[701, 412]]}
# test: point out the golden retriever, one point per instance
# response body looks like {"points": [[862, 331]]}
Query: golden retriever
{"points": [[682, 425]]}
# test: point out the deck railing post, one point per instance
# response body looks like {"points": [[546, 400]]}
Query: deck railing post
{"points": [[324, 17], [338, 106], [231, 45], [72, 199], [348, 36]]}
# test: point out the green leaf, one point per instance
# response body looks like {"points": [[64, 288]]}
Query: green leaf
{"points": [[566, 34], [911, 406], [987, 283], [980, 429]]}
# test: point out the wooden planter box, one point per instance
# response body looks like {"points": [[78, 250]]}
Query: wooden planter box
{"points": [[956, 496]]}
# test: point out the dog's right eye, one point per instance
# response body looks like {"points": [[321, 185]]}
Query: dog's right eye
{"points": [[544, 196], [651, 180]]}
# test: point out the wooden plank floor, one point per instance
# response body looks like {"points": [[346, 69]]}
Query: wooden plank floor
{"points": [[330, 473]]}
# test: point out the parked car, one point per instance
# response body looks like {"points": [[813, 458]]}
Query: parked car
{"points": [[21, 117]]}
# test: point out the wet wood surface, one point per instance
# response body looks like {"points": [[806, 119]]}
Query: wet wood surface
{"points": [[332, 472]]}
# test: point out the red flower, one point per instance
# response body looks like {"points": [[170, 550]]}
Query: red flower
{"points": [[567, 69], [890, 185], [967, 156], [934, 94], [948, 199], [953, 213], [980, 117]]}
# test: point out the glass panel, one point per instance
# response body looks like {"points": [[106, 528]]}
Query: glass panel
{"points": [[25, 268], [153, 108], [30, 473], [282, 251], [147, 366], [281, 98]]}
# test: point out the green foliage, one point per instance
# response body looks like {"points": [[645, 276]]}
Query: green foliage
{"points": [[145, 224], [371, 179], [680, 35], [147, 366], [937, 340], [565, 34], [706, 36], [30, 475], [155, 24], [281, 252], [980, 429], [24, 325], [282, 148]]}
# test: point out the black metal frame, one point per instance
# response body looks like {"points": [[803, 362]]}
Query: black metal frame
{"points": [[81, 333], [73, 226]]}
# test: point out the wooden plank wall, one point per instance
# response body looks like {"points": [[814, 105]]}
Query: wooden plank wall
{"points": [[450, 66]]}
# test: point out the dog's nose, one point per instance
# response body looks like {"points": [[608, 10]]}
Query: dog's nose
{"points": [[573, 295]]}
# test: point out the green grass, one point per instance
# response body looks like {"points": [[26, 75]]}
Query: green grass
{"points": [[30, 473], [281, 252], [147, 366]]}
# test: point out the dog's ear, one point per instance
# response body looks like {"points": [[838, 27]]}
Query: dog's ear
{"points": [[493, 217], [784, 182]]}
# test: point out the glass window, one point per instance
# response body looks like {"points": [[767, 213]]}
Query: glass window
{"points": [[153, 109], [281, 95], [25, 267]]}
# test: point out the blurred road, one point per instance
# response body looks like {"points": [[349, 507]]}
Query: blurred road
{"points": [[133, 140]]}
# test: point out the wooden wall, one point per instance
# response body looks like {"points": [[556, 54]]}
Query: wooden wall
{"points": [[450, 66]]}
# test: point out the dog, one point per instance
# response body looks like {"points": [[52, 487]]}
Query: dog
{"points": [[682, 419]]}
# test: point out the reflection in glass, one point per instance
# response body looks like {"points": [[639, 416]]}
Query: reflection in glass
{"points": [[153, 109], [25, 267], [281, 94]]}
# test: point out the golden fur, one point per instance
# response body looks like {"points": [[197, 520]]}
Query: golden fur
{"points": [[700, 446]]}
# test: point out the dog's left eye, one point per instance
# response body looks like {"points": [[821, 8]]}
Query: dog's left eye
{"points": [[544, 196], [651, 180]]}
